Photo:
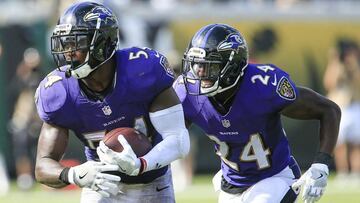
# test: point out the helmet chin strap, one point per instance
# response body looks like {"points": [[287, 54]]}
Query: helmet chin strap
{"points": [[220, 89], [85, 69], [212, 91]]}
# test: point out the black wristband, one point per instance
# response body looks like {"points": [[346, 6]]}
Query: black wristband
{"points": [[64, 176], [323, 158]]}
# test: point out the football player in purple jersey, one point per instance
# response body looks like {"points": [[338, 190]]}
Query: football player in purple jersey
{"points": [[239, 105], [96, 88]]}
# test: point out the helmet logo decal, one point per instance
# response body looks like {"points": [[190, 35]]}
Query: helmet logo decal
{"points": [[99, 12], [232, 42]]}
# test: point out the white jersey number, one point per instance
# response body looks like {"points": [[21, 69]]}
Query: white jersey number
{"points": [[93, 138], [254, 151], [263, 79], [137, 55], [223, 152]]}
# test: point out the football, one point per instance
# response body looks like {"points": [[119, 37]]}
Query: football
{"points": [[138, 141]]}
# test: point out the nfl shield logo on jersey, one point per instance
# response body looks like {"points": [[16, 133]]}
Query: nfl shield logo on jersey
{"points": [[107, 110], [226, 123]]}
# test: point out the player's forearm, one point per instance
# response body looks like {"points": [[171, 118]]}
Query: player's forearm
{"points": [[329, 128], [170, 123], [171, 148], [47, 172]]}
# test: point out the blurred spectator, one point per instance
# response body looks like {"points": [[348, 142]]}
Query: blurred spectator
{"points": [[4, 179], [24, 125], [137, 31], [262, 42], [342, 82]]}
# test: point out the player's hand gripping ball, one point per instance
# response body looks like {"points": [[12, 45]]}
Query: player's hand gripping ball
{"points": [[138, 141], [124, 146]]}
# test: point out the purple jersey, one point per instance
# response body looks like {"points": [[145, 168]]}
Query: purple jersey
{"points": [[250, 138], [141, 74]]}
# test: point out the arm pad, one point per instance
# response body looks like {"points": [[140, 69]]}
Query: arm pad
{"points": [[170, 123]]}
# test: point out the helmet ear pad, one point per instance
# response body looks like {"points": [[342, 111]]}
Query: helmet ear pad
{"points": [[103, 46], [99, 52]]}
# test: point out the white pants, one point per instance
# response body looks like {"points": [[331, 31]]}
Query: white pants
{"points": [[160, 190], [349, 126], [4, 179], [269, 190]]}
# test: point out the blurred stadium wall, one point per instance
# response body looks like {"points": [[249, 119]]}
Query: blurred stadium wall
{"points": [[305, 31]]}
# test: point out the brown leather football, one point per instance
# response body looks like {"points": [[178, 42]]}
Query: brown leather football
{"points": [[138, 141]]}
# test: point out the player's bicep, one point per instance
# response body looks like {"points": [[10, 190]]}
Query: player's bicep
{"points": [[52, 142], [308, 105], [165, 99]]}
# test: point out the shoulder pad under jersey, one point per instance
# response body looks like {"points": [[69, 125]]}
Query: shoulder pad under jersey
{"points": [[271, 84], [146, 70], [50, 95]]}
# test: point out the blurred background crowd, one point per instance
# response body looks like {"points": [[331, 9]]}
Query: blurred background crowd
{"points": [[316, 41]]}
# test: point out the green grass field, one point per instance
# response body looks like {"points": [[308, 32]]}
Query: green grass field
{"points": [[200, 191]]}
